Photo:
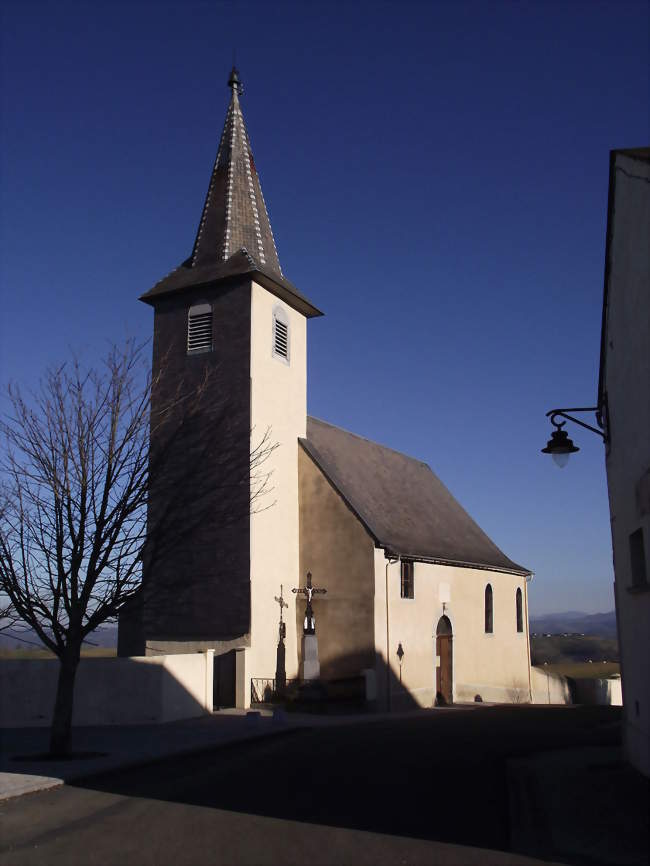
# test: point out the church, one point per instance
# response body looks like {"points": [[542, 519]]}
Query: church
{"points": [[419, 603]]}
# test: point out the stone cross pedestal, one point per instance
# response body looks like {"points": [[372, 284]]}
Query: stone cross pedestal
{"points": [[309, 666]]}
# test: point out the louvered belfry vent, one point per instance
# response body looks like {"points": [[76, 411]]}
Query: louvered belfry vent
{"points": [[281, 338], [199, 328]]}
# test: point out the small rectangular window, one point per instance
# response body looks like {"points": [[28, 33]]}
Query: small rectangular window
{"points": [[407, 581], [199, 328], [637, 559]]}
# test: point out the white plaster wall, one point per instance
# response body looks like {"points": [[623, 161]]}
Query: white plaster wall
{"points": [[186, 685], [627, 383], [549, 688], [111, 691], [278, 403], [553, 688], [496, 666]]}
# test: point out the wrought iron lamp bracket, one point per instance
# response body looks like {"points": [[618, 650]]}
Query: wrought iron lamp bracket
{"points": [[564, 413]]}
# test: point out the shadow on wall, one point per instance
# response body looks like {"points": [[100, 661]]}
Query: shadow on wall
{"points": [[553, 688], [597, 691], [391, 693], [109, 691]]}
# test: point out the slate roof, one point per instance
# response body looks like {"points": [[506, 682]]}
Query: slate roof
{"points": [[234, 214], [234, 235], [403, 505]]}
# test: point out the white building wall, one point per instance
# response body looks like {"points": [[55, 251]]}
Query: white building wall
{"points": [[279, 405], [109, 691], [627, 384], [494, 666]]}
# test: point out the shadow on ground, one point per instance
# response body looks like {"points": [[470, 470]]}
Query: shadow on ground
{"points": [[440, 775]]}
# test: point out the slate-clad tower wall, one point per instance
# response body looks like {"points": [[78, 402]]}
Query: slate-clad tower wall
{"points": [[199, 584]]}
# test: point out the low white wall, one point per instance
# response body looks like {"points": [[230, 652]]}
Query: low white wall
{"points": [[549, 688], [599, 692], [111, 691], [552, 688]]}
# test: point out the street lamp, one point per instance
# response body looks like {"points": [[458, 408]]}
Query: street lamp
{"points": [[560, 446]]}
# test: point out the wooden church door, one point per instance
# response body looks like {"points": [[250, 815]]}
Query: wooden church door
{"points": [[444, 668]]}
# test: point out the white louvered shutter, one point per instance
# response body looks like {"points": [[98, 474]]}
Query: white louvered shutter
{"points": [[281, 337]]}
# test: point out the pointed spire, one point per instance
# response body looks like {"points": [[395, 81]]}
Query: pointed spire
{"points": [[234, 214]]}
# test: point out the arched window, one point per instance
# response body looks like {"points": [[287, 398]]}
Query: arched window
{"points": [[280, 334], [489, 619], [520, 617], [199, 328]]}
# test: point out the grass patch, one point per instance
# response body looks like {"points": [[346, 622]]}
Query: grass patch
{"points": [[91, 652], [573, 649], [584, 670]]}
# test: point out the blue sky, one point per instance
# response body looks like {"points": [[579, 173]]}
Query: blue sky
{"points": [[436, 177]]}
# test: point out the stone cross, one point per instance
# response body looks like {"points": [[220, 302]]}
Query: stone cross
{"points": [[309, 626], [280, 600]]}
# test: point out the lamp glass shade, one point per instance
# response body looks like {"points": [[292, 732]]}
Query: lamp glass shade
{"points": [[561, 459], [559, 446]]}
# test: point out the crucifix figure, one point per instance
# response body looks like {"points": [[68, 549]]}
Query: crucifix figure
{"points": [[309, 626]]}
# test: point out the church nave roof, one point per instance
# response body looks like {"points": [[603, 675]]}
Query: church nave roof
{"points": [[401, 502]]}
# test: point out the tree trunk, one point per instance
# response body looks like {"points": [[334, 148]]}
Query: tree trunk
{"points": [[61, 731]]}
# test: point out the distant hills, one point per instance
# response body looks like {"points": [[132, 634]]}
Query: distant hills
{"points": [[574, 622], [601, 625]]}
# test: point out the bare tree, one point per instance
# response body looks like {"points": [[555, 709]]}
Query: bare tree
{"points": [[76, 542], [8, 616]]}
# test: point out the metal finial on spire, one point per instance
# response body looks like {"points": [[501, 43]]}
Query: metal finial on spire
{"points": [[234, 81]]}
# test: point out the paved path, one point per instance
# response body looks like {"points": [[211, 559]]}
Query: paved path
{"points": [[120, 746], [78, 828], [430, 788]]}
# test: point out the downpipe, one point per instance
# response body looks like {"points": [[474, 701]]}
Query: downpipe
{"points": [[390, 560]]}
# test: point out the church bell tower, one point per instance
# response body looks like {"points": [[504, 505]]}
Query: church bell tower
{"points": [[228, 406]]}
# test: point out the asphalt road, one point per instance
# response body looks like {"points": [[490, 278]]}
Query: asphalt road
{"points": [[379, 792]]}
